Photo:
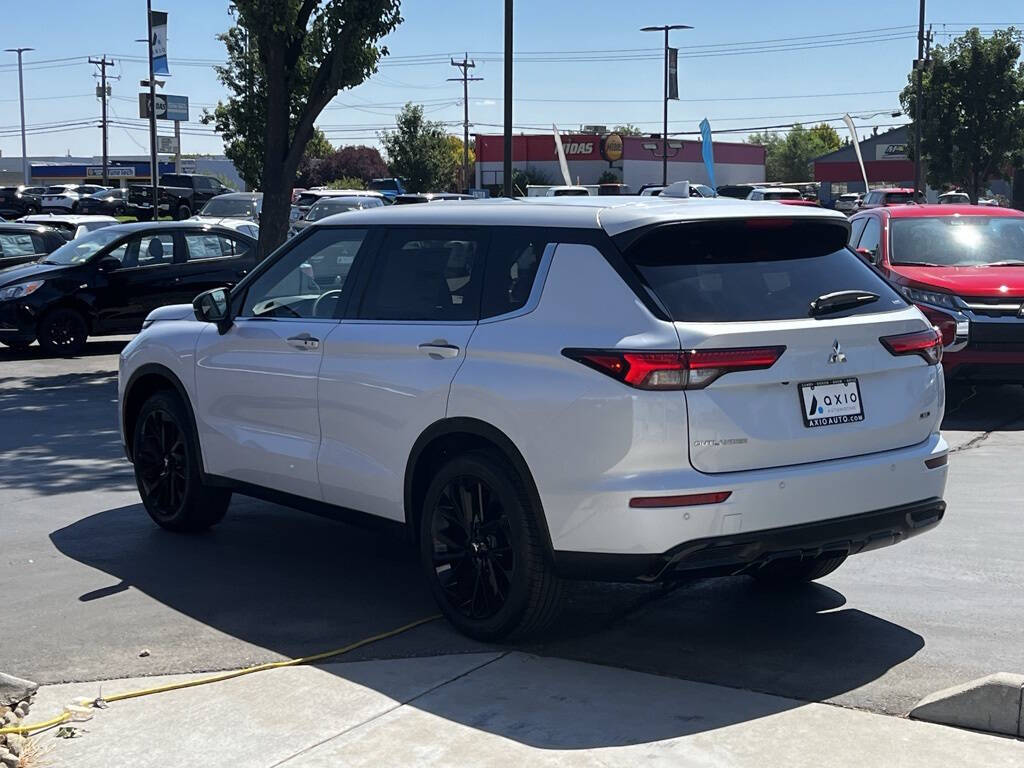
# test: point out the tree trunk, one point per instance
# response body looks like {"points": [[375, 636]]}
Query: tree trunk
{"points": [[277, 185], [274, 221]]}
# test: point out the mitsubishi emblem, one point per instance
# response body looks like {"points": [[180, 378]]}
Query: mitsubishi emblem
{"points": [[837, 356]]}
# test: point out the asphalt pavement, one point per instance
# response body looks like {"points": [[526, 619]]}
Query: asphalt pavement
{"points": [[88, 583]]}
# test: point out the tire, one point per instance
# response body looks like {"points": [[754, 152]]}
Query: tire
{"points": [[793, 571], [167, 473], [63, 332], [492, 578], [183, 212]]}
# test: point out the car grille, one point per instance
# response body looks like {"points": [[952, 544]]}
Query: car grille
{"points": [[994, 306], [997, 333]]}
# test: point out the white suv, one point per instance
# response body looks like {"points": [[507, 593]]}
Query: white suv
{"points": [[535, 390]]}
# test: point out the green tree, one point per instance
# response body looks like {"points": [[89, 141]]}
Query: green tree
{"points": [[455, 146], [524, 177], [419, 151], [627, 130], [827, 136], [286, 60], [972, 125], [772, 144], [319, 146], [609, 177]]}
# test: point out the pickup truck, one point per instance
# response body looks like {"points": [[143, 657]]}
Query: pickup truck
{"points": [[180, 195]]}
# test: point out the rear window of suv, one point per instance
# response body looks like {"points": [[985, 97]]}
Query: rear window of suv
{"points": [[753, 270]]}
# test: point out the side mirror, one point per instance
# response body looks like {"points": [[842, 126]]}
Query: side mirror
{"points": [[108, 264], [867, 254], [214, 306]]}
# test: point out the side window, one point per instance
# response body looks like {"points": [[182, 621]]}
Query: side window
{"points": [[856, 230], [307, 281], [425, 274], [512, 263], [872, 235], [149, 250], [205, 185], [207, 245], [17, 245]]}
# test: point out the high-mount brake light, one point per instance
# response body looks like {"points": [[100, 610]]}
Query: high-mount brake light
{"points": [[688, 369]]}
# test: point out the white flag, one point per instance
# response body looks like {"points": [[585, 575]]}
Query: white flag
{"points": [[856, 147]]}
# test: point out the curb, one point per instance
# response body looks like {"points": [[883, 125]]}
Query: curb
{"points": [[994, 704]]}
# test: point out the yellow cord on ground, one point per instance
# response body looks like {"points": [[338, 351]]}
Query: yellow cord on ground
{"points": [[67, 715]]}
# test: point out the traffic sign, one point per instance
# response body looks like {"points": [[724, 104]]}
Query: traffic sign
{"points": [[167, 145], [167, 107]]}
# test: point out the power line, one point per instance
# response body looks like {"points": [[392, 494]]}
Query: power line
{"points": [[464, 66]]}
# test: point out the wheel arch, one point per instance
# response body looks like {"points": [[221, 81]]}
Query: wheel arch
{"points": [[146, 380], [448, 437]]}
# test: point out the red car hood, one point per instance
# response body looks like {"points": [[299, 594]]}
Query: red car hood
{"points": [[966, 281]]}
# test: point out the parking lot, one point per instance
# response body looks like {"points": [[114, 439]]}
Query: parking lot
{"points": [[90, 584]]}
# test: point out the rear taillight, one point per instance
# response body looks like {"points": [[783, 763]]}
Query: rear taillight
{"points": [[689, 369], [926, 344], [946, 323]]}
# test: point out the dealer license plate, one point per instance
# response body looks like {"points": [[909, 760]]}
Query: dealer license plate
{"points": [[836, 401]]}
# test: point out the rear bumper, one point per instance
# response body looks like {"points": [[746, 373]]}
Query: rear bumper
{"points": [[741, 552], [988, 363]]}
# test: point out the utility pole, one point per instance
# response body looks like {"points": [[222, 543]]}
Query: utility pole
{"points": [[507, 164], [21, 98], [918, 100], [465, 65], [664, 130], [154, 168], [103, 63]]}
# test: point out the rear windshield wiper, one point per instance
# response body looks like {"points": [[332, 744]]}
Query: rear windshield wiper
{"points": [[840, 300]]}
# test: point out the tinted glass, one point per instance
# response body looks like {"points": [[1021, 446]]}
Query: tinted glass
{"points": [[856, 230], [18, 245], [872, 235], [781, 195], [307, 281], [328, 206], [308, 198], [209, 246], [80, 250], [425, 274], [957, 241], [150, 251], [384, 184], [174, 180], [512, 263], [732, 272], [898, 197], [240, 207]]}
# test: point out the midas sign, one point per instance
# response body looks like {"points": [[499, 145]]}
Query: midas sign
{"points": [[611, 147], [578, 147]]}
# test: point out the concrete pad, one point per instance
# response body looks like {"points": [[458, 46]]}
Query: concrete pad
{"points": [[252, 721], [529, 710], [994, 704]]}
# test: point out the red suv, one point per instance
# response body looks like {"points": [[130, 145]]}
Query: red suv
{"points": [[963, 266]]}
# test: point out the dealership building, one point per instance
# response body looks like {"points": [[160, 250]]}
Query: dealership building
{"points": [[634, 159]]}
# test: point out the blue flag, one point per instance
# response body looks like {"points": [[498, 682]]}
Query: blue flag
{"points": [[707, 150]]}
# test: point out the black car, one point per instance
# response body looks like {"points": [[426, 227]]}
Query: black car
{"points": [[21, 243], [20, 201], [109, 202], [107, 281]]}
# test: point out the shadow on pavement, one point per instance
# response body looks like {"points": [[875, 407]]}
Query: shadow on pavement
{"points": [[92, 349], [60, 433], [295, 584], [984, 408]]}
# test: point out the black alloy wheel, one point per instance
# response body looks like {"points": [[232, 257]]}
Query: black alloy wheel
{"points": [[483, 551], [161, 463], [473, 558], [165, 452], [63, 332]]}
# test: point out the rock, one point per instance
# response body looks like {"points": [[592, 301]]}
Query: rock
{"points": [[14, 689], [21, 710], [11, 761], [14, 743], [144, 653], [10, 717]]}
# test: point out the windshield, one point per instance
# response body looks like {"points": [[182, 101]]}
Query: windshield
{"points": [[781, 195], [57, 190], [235, 207], [107, 194], [704, 190], [82, 249], [955, 241], [899, 198], [384, 185], [330, 206]]}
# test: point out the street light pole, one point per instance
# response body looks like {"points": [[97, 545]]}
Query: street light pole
{"points": [[507, 164], [664, 118], [919, 90], [21, 98], [154, 169]]}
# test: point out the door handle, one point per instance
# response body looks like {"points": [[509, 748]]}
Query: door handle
{"points": [[304, 341], [439, 348]]}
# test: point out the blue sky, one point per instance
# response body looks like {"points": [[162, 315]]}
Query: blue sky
{"points": [[788, 80]]}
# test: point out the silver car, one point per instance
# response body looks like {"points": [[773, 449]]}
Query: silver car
{"points": [[328, 206]]}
